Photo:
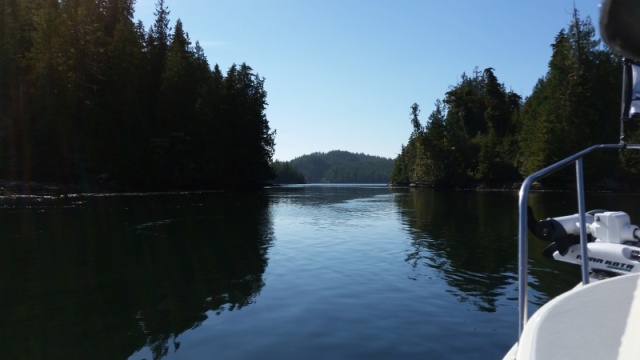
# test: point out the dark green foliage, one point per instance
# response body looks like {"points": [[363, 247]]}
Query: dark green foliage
{"points": [[466, 138], [576, 104], [481, 133], [343, 167], [86, 94], [287, 173]]}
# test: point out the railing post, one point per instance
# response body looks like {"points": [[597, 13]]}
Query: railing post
{"points": [[523, 257], [583, 221]]}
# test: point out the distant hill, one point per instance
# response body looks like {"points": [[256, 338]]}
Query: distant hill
{"points": [[343, 167]]}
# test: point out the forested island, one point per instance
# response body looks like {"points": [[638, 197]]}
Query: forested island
{"points": [[482, 134], [339, 166], [91, 99]]}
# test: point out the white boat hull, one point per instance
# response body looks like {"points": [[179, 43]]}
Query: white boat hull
{"points": [[596, 321]]}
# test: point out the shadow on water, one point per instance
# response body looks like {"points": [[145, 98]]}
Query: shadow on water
{"points": [[102, 277]]}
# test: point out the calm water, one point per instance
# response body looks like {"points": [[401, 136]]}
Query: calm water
{"points": [[303, 272]]}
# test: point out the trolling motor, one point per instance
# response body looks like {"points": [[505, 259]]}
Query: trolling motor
{"points": [[613, 242]]}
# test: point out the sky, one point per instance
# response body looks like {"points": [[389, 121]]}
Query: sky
{"points": [[343, 74]]}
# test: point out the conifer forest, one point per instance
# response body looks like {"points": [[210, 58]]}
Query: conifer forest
{"points": [[483, 133], [88, 95]]}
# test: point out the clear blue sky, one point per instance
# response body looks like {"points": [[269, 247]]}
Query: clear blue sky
{"points": [[342, 74]]}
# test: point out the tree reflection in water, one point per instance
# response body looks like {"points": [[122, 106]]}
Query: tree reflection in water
{"points": [[469, 239], [104, 276], [466, 238]]}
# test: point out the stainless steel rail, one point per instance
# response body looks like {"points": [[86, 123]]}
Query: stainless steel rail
{"points": [[523, 257]]}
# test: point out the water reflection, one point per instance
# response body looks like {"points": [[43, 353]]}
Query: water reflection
{"points": [[466, 238], [325, 194], [469, 240], [102, 277]]}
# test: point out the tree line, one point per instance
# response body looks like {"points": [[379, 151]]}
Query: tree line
{"points": [[287, 173], [339, 166], [482, 133], [88, 95]]}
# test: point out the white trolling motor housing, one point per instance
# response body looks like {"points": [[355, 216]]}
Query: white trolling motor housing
{"points": [[613, 246], [613, 227]]}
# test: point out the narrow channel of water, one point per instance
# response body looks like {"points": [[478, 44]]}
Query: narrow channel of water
{"points": [[313, 272]]}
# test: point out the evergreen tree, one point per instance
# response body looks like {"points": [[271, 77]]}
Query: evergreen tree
{"points": [[248, 135], [156, 48], [436, 146], [287, 173], [495, 152], [466, 105], [120, 130], [419, 169], [567, 107], [400, 172]]}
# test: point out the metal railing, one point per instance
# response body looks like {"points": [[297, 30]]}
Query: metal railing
{"points": [[523, 257]]}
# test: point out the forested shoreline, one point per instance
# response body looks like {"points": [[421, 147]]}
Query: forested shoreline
{"points": [[90, 98], [339, 166], [483, 135]]}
